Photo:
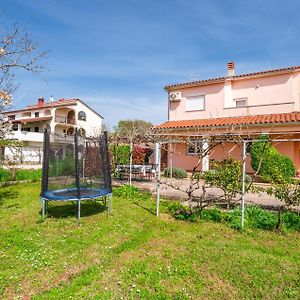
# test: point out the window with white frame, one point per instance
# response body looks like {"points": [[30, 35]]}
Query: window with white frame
{"points": [[240, 102], [195, 103], [194, 147]]}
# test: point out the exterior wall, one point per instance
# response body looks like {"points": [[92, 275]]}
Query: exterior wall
{"points": [[265, 94], [93, 123], [32, 154], [181, 159]]}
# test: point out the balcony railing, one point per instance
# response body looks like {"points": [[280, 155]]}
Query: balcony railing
{"points": [[64, 120], [27, 136]]}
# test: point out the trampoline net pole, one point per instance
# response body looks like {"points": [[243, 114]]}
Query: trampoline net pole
{"points": [[76, 164], [45, 168], [105, 162]]}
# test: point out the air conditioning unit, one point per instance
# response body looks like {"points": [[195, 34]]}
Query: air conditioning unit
{"points": [[175, 96]]}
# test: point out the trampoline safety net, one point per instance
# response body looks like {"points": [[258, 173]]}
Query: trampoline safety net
{"points": [[75, 167]]}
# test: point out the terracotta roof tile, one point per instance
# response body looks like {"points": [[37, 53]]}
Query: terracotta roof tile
{"points": [[220, 79], [57, 103], [228, 121]]}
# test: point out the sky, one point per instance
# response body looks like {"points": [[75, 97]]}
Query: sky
{"points": [[118, 55]]}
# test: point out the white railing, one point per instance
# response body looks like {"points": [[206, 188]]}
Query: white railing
{"points": [[64, 120], [27, 136]]}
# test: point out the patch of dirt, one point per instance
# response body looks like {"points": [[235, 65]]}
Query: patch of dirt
{"points": [[43, 282], [217, 286]]}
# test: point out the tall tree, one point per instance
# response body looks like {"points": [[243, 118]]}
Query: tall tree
{"points": [[17, 52], [134, 130]]}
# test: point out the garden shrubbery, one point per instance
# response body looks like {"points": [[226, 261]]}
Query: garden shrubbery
{"points": [[176, 172], [120, 154], [15, 175], [271, 165], [255, 217]]}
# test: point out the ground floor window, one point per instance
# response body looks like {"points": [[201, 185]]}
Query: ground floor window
{"points": [[194, 147]]}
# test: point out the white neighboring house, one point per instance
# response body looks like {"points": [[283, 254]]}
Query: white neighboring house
{"points": [[61, 117]]}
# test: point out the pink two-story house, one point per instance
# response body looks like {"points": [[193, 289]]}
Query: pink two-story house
{"points": [[251, 104]]}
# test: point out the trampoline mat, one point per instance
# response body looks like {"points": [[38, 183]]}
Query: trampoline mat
{"points": [[71, 194]]}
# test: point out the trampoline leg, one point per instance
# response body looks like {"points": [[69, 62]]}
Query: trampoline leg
{"points": [[43, 208], [78, 217], [110, 204]]}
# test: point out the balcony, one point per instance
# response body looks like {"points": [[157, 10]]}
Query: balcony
{"points": [[64, 120], [27, 136]]}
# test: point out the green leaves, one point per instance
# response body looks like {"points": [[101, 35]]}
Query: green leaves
{"points": [[270, 164]]}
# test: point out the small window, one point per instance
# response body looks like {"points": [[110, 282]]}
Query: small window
{"points": [[82, 116], [81, 132], [15, 128], [36, 129], [194, 147], [240, 102], [26, 129], [248, 147], [36, 114], [195, 103]]}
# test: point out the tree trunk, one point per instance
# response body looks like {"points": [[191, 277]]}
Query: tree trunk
{"points": [[279, 220]]}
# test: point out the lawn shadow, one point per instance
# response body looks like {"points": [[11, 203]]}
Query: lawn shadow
{"points": [[7, 195], [70, 209], [145, 208]]}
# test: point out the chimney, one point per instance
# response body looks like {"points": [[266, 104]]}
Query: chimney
{"points": [[40, 102], [230, 69]]}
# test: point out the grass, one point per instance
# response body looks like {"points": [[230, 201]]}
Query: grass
{"points": [[133, 255]]}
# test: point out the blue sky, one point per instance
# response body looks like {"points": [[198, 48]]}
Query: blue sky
{"points": [[118, 55]]}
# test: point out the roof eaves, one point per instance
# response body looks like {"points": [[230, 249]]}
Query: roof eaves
{"points": [[241, 76]]}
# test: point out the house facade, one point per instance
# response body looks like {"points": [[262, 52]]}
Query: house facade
{"points": [[247, 104], [61, 117]]}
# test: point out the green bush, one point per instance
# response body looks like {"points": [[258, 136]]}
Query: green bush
{"points": [[181, 212], [8, 175], [213, 214], [120, 154], [127, 191], [227, 176], [176, 172], [65, 167], [255, 217], [33, 175], [4, 175], [291, 220], [274, 167]]}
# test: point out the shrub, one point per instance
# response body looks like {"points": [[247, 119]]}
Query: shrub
{"points": [[127, 191], [181, 212], [138, 155], [272, 165], [12, 175], [4, 175], [120, 154], [213, 214], [176, 172], [28, 175], [291, 220], [227, 176], [59, 167], [255, 217]]}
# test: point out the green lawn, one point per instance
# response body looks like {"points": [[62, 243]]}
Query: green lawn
{"points": [[132, 255]]}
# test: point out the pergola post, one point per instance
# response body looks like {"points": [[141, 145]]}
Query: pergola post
{"points": [[130, 161], [243, 183], [205, 159], [158, 163], [171, 160]]}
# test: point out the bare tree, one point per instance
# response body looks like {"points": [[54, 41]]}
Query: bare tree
{"points": [[17, 52]]}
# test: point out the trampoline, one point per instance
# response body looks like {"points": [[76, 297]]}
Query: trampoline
{"points": [[75, 168]]}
